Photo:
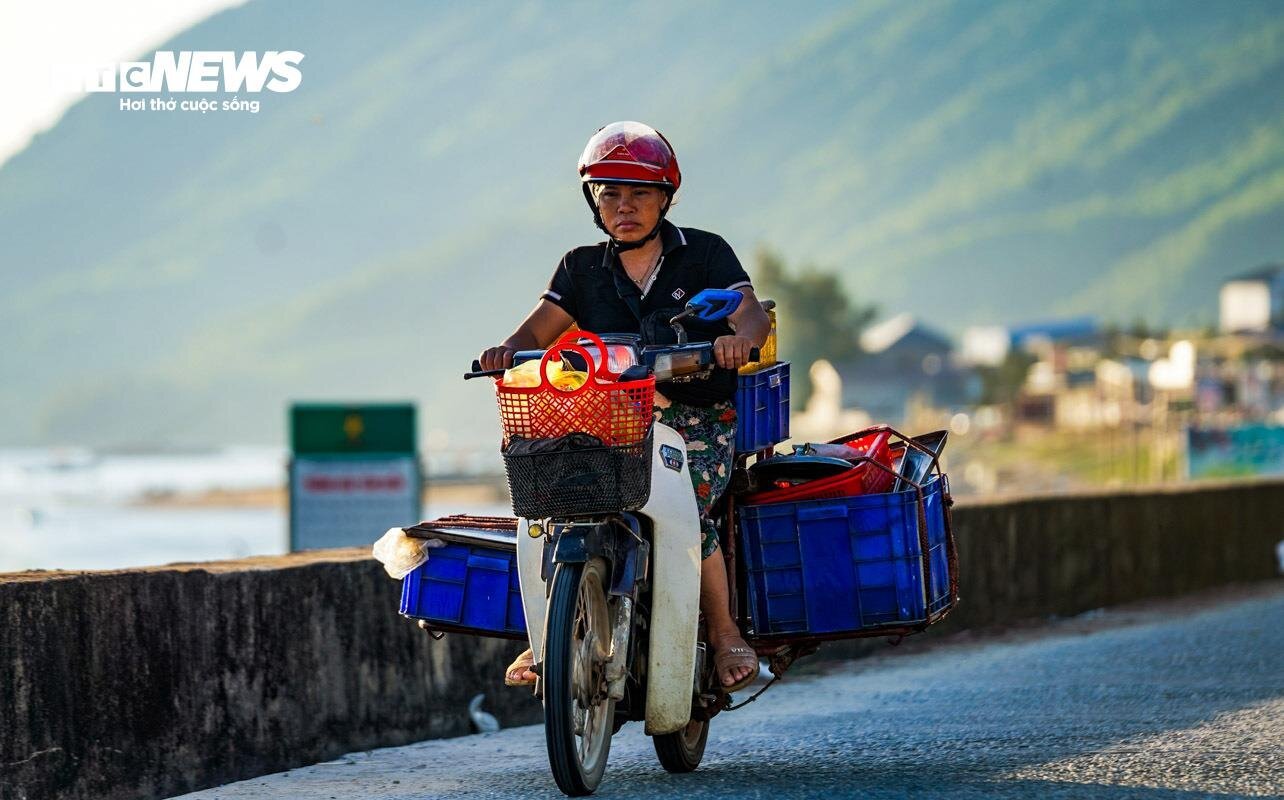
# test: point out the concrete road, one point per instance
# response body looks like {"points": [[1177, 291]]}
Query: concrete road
{"points": [[1177, 700]]}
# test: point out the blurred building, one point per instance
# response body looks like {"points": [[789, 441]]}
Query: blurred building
{"points": [[1075, 388], [1041, 337], [1075, 382], [1253, 302], [824, 417], [989, 345], [904, 359], [985, 345]]}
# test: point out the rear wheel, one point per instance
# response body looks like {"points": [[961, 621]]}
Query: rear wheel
{"points": [[682, 750], [578, 715]]}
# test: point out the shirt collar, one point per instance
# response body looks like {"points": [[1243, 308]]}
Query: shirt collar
{"points": [[671, 238]]}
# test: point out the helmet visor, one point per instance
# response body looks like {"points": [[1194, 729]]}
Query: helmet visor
{"points": [[631, 149]]}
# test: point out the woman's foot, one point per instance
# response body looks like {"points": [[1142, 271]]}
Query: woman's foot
{"points": [[735, 661], [519, 672]]}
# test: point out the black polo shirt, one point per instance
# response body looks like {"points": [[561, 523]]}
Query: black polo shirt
{"points": [[591, 285]]}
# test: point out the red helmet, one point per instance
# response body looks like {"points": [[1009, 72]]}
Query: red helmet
{"points": [[630, 152]]}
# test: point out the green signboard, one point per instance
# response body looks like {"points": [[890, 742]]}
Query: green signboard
{"points": [[334, 428], [354, 473]]}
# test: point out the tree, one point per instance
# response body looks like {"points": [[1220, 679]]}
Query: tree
{"points": [[815, 317]]}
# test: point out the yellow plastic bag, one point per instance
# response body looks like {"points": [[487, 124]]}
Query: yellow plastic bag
{"points": [[523, 375], [526, 375], [569, 380]]}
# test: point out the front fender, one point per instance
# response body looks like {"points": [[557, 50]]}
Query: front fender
{"points": [[675, 585], [617, 540]]}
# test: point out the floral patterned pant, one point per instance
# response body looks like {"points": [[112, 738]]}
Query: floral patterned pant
{"points": [[710, 434]]}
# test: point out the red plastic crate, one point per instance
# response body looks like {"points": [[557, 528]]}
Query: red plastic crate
{"points": [[864, 478]]}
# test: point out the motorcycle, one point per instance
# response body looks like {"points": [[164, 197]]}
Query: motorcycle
{"points": [[612, 600], [608, 563]]}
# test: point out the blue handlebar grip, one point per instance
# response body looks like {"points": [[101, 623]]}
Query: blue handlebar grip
{"points": [[711, 305]]}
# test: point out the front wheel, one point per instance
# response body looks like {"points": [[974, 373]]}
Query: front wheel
{"points": [[578, 714], [682, 750]]}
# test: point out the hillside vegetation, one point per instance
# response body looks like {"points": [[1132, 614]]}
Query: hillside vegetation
{"points": [[178, 278]]}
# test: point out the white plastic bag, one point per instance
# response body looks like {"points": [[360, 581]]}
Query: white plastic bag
{"points": [[829, 450], [401, 554]]}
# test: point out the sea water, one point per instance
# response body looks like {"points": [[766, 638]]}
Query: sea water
{"points": [[76, 510]]}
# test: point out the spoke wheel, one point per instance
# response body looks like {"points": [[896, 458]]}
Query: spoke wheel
{"points": [[682, 750], [578, 715]]}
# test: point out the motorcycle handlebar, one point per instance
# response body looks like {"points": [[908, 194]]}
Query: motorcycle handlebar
{"points": [[478, 372]]}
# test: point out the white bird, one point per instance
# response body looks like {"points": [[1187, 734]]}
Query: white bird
{"points": [[485, 723]]}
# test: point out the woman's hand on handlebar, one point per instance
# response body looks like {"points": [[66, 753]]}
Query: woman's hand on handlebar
{"points": [[500, 357], [732, 352], [544, 324]]}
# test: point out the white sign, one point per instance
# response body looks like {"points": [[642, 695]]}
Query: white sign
{"points": [[347, 502]]}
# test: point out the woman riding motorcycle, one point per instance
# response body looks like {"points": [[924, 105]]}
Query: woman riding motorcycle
{"points": [[634, 283]]}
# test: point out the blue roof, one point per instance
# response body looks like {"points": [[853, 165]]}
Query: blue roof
{"points": [[1056, 330]]}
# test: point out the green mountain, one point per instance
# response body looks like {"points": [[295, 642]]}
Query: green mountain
{"points": [[173, 277]]}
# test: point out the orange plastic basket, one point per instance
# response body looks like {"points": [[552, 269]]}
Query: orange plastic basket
{"points": [[617, 412]]}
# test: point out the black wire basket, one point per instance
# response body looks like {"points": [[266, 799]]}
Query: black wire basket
{"points": [[576, 475]]}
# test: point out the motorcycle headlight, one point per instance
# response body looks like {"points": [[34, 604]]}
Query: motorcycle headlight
{"points": [[619, 357]]}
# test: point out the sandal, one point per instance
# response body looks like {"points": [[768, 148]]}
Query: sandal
{"points": [[729, 657], [523, 663]]}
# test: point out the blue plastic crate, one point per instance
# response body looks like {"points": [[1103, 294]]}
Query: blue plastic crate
{"points": [[845, 565], [468, 586], [762, 408]]}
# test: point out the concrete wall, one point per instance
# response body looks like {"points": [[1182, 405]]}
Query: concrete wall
{"points": [[1062, 555], [150, 683], [1059, 555], [155, 682]]}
